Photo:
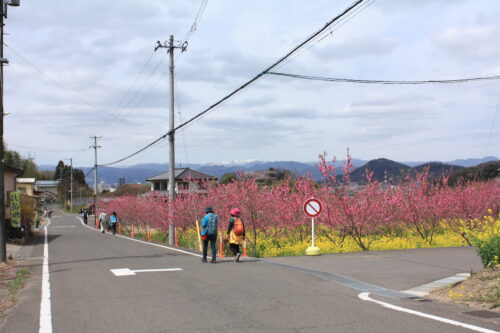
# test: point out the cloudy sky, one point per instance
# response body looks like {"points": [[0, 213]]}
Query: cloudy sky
{"points": [[85, 67]]}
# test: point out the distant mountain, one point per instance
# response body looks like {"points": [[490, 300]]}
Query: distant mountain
{"points": [[460, 162], [139, 172], [381, 168], [438, 169], [484, 171]]}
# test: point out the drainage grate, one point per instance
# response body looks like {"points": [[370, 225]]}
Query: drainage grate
{"points": [[484, 314], [418, 299]]}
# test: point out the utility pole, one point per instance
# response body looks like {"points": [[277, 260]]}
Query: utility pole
{"points": [[171, 134], [3, 223], [71, 185], [95, 146]]}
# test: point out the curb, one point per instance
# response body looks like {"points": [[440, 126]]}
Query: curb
{"points": [[425, 289]]}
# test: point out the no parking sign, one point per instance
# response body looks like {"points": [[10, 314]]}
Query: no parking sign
{"points": [[312, 207]]}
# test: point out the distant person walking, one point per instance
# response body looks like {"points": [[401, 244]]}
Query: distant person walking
{"points": [[113, 221], [102, 221], [209, 233], [85, 216], [235, 233]]}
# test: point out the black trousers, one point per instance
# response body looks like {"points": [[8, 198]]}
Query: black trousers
{"points": [[235, 248]]}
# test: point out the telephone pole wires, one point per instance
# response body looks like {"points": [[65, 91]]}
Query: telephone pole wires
{"points": [[171, 134], [95, 146]]}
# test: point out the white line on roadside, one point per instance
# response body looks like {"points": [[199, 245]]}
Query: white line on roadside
{"points": [[144, 242], [45, 306], [365, 297]]}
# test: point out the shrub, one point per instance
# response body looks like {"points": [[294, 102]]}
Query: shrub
{"points": [[489, 250]]}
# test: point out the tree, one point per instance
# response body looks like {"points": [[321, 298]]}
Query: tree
{"points": [[228, 178]]}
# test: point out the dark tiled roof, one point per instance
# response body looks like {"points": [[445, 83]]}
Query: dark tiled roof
{"points": [[182, 173]]}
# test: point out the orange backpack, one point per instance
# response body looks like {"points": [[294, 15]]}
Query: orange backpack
{"points": [[238, 229]]}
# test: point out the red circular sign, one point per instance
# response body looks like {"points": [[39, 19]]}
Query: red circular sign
{"points": [[312, 207]]}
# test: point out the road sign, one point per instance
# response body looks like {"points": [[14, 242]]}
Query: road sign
{"points": [[312, 207]]}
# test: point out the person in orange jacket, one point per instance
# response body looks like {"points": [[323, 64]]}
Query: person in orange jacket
{"points": [[235, 233]]}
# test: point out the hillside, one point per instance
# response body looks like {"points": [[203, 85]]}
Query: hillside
{"points": [[484, 171], [395, 171]]}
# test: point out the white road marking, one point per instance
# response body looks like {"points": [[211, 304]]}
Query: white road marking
{"points": [[128, 271], [365, 297], [45, 306], [144, 242]]}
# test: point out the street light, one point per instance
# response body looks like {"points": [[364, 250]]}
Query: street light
{"points": [[3, 229]]}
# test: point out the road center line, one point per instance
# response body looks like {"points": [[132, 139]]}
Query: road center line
{"points": [[45, 306], [365, 297]]}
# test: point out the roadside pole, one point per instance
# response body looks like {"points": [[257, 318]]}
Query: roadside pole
{"points": [[313, 208], [3, 223], [171, 134], [95, 146]]}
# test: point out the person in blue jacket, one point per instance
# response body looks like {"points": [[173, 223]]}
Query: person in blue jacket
{"points": [[209, 233]]}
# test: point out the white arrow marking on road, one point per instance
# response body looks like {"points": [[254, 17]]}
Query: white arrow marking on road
{"points": [[128, 271]]}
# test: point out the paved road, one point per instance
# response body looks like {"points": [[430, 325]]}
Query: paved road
{"points": [[253, 296]]}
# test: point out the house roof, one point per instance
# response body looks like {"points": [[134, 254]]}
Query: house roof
{"points": [[26, 180], [15, 170], [182, 173], [47, 183]]}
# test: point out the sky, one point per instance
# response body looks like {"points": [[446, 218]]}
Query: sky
{"points": [[88, 68]]}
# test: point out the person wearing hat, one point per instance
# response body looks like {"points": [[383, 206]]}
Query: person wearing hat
{"points": [[235, 233], [102, 220], [209, 233]]}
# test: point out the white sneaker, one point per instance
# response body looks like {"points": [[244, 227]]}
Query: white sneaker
{"points": [[237, 257]]}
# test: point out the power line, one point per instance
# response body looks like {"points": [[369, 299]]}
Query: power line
{"points": [[248, 83], [258, 76], [48, 150], [492, 127], [138, 91], [78, 97], [122, 100], [137, 152], [410, 82], [197, 19]]}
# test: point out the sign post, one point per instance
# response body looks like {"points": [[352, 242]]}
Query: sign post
{"points": [[312, 208]]}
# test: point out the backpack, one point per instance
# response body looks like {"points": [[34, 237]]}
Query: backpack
{"points": [[238, 229], [212, 224]]}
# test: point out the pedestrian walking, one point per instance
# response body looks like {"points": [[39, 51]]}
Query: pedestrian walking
{"points": [[209, 233], [235, 233], [113, 221], [85, 216], [102, 220]]}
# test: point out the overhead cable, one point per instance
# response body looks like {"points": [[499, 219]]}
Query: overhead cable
{"points": [[234, 92], [401, 82], [137, 152], [80, 99], [248, 83]]}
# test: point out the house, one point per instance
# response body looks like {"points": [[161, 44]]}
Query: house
{"points": [[186, 180], [26, 185], [9, 178]]}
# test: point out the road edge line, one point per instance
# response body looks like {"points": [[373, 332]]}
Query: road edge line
{"points": [[144, 242], [45, 303], [365, 297]]}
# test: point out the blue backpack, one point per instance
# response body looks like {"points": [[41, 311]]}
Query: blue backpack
{"points": [[212, 224]]}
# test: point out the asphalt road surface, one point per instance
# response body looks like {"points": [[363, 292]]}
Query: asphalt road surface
{"points": [[82, 294]]}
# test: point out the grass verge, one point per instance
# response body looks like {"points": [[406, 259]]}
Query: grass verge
{"points": [[12, 279], [480, 290]]}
